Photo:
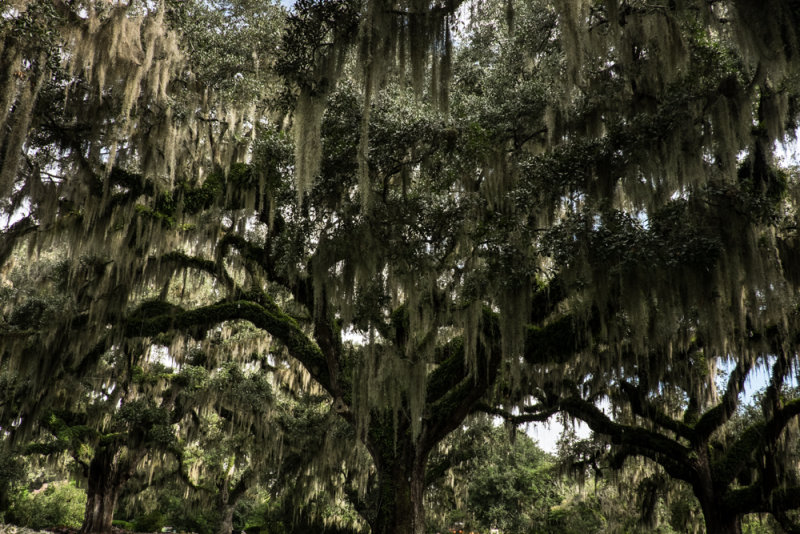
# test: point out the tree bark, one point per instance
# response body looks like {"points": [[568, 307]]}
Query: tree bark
{"points": [[103, 488], [400, 509], [719, 520], [226, 519], [401, 486]]}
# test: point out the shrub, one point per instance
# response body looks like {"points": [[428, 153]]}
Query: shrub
{"points": [[149, 522], [59, 504], [124, 525]]}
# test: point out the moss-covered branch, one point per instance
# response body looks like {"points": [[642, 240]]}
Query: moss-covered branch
{"points": [[676, 469], [180, 260], [781, 418], [255, 254], [448, 373], [450, 408], [637, 440], [272, 320], [719, 415], [643, 408], [530, 414]]}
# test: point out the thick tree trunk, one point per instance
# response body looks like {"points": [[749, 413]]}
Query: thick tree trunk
{"points": [[226, 519], [228, 497], [400, 510], [103, 488], [401, 486], [719, 520]]}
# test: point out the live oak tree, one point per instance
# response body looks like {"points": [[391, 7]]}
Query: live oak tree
{"points": [[675, 285], [592, 201], [231, 442], [733, 467], [128, 418], [393, 434], [108, 423], [110, 433]]}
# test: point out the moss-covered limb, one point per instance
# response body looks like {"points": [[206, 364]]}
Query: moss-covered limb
{"points": [[452, 369], [183, 471], [448, 412], [781, 418], [530, 414], [555, 342], [643, 408], [274, 321], [639, 440], [727, 467], [70, 435], [450, 409], [437, 468], [448, 373], [11, 236], [301, 290], [45, 449], [114, 438], [719, 415], [242, 485], [755, 498], [255, 254], [677, 469], [183, 261]]}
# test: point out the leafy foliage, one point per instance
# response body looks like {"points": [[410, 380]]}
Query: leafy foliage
{"points": [[404, 220], [58, 504]]}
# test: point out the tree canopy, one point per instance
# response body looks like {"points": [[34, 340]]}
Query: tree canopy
{"points": [[423, 210]]}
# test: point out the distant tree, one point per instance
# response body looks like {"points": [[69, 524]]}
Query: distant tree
{"points": [[108, 434], [492, 481], [231, 444], [735, 464]]}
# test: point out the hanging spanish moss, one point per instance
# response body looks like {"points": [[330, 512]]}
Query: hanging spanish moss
{"points": [[390, 36], [589, 203]]}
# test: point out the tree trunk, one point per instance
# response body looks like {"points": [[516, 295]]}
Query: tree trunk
{"points": [[719, 520], [228, 497], [226, 519], [400, 510], [401, 485], [103, 488]]}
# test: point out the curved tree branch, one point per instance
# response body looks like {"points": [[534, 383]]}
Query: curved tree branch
{"points": [[266, 315]]}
